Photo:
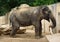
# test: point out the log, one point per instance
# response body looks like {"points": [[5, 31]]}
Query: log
{"points": [[7, 32], [1, 32], [6, 29], [20, 31]]}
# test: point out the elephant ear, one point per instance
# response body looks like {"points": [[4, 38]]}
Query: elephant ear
{"points": [[45, 10]]}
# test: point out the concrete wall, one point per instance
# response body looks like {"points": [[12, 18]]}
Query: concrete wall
{"points": [[58, 16], [55, 8], [2, 20]]}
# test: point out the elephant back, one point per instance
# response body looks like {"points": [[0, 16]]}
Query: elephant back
{"points": [[24, 6]]}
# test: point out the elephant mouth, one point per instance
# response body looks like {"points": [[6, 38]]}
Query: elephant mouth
{"points": [[46, 16]]}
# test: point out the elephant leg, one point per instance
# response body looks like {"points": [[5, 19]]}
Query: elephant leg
{"points": [[15, 27], [40, 29], [37, 26]]}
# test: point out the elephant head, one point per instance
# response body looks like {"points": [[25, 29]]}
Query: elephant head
{"points": [[48, 15]]}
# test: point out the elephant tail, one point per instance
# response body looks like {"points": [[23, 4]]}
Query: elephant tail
{"points": [[10, 20]]}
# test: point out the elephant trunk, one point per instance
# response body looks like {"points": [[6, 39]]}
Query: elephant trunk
{"points": [[53, 20]]}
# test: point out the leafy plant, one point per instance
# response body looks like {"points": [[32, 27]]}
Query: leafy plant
{"points": [[7, 5]]}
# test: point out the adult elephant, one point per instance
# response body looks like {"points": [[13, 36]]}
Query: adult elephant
{"points": [[31, 16]]}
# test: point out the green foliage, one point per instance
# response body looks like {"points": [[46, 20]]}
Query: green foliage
{"points": [[7, 5]]}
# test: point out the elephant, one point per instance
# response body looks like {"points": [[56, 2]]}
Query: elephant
{"points": [[31, 16]]}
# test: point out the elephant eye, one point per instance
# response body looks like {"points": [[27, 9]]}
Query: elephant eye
{"points": [[46, 9], [49, 11]]}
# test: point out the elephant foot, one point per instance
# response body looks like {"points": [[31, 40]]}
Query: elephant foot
{"points": [[13, 36], [38, 37], [41, 36]]}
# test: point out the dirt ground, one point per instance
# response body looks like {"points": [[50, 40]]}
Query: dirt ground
{"points": [[27, 37]]}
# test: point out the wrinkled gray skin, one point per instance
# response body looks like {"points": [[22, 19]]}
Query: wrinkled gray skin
{"points": [[31, 16]]}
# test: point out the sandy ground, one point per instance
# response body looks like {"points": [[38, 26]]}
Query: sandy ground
{"points": [[54, 37], [27, 37]]}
